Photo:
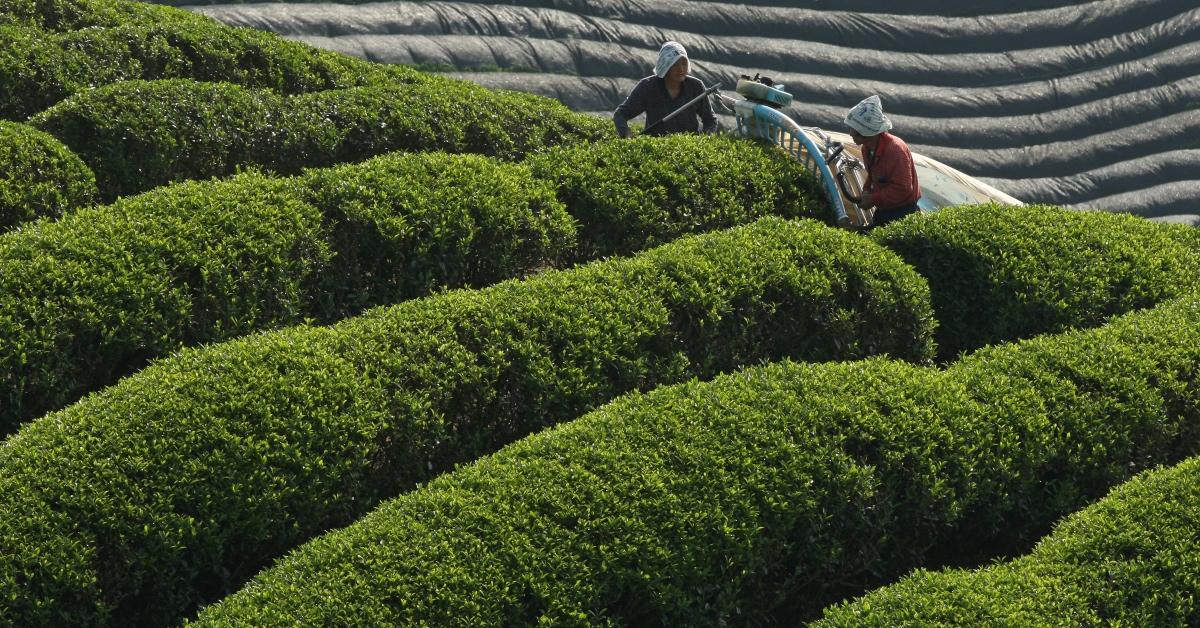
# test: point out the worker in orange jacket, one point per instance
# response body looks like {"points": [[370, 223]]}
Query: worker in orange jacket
{"points": [[891, 189]]}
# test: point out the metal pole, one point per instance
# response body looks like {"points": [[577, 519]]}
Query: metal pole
{"points": [[685, 107]]}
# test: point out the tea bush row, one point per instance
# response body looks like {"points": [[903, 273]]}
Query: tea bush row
{"points": [[172, 487], [627, 195], [762, 497], [630, 194], [339, 126], [72, 15], [1129, 560], [998, 273], [39, 68], [94, 296], [137, 135], [39, 176]]}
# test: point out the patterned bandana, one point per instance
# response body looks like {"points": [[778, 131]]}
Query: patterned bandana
{"points": [[670, 53], [867, 117]]}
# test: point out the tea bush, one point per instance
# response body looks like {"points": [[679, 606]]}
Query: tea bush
{"points": [[762, 497], [399, 226], [1128, 560], [626, 194], [1000, 273], [85, 298], [171, 488], [93, 297], [71, 15], [39, 69], [348, 125], [207, 50], [406, 224], [39, 176], [137, 135]]}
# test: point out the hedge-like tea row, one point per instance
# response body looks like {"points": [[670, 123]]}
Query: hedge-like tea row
{"points": [[1128, 560], [137, 135], [339, 126], [630, 194], [70, 15], [39, 69], [39, 176], [399, 226], [1000, 273], [759, 498], [464, 220], [174, 486], [729, 182], [94, 296]]}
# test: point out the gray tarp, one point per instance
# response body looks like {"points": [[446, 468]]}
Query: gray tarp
{"points": [[1078, 104]]}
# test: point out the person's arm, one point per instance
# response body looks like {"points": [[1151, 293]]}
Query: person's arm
{"points": [[634, 106]]}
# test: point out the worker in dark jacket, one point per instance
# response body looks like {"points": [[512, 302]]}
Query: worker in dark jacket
{"points": [[669, 89], [891, 189]]}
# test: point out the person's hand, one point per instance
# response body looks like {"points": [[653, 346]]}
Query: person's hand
{"points": [[627, 134], [868, 201]]}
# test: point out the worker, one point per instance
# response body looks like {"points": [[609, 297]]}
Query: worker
{"points": [[667, 90], [891, 189]]}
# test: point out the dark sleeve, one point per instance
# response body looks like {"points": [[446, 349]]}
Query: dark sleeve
{"points": [[634, 106]]}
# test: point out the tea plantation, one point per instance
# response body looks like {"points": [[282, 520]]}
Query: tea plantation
{"points": [[290, 338]]}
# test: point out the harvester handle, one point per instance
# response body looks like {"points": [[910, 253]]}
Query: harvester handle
{"points": [[687, 105], [841, 181]]}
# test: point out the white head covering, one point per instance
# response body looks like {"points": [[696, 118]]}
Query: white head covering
{"points": [[867, 117], [670, 52]]}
